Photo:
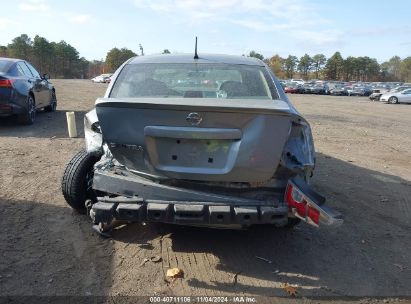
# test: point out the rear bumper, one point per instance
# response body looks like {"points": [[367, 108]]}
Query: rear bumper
{"points": [[137, 199], [188, 213], [9, 109], [375, 96], [142, 200]]}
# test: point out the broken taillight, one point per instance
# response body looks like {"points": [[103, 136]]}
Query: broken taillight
{"points": [[305, 207]]}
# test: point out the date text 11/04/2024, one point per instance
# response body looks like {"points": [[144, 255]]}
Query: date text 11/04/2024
{"points": [[205, 299]]}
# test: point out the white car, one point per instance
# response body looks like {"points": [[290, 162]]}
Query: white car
{"points": [[397, 97], [103, 78], [299, 81]]}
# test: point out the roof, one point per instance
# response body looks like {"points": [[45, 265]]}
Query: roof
{"points": [[203, 58], [10, 59]]}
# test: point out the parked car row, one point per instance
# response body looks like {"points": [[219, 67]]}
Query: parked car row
{"points": [[307, 88], [393, 92], [326, 88]]}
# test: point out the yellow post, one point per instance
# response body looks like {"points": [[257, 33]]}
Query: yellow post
{"points": [[71, 124]]}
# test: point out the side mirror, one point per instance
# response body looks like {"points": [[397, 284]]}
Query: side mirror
{"points": [[46, 76]]}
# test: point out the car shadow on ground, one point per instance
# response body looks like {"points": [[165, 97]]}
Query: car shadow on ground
{"points": [[47, 125], [366, 256], [46, 250]]}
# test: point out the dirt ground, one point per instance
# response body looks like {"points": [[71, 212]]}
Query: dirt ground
{"points": [[363, 168]]}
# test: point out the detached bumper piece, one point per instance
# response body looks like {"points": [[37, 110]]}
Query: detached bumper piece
{"points": [[307, 205], [194, 213]]}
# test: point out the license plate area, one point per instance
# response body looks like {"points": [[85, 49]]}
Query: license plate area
{"points": [[191, 153]]}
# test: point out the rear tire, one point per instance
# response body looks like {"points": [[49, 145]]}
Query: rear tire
{"points": [[53, 105], [29, 117], [76, 181]]}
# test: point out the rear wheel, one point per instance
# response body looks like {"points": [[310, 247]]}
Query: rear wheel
{"points": [[76, 183], [53, 105], [29, 117], [393, 100]]}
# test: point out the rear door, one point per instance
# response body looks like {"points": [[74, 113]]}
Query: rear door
{"points": [[41, 85], [30, 79]]}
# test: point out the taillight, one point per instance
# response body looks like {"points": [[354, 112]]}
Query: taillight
{"points": [[314, 215], [6, 83], [295, 200], [307, 209], [299, 204]]}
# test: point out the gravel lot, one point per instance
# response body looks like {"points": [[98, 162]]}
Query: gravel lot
{"points": [[363, 168]]}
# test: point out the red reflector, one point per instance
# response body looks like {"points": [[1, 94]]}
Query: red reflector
{"points": [[301, 209], [314, 215], [289, 197], [6, 83]]}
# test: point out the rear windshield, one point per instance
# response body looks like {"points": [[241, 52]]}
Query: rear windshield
{"points": [[5, 65], [194, 80]]}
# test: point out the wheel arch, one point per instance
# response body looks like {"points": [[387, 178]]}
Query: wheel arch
{"points": [[32, 95]]}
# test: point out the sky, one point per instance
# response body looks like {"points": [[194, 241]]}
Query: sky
{"points": [[378, 29]]}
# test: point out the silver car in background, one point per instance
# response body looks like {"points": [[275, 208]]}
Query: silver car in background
{"points": [[403, 96]]}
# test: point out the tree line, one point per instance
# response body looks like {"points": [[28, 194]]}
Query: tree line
{"points": [[59, 59], [62, 60], [336, 67]]}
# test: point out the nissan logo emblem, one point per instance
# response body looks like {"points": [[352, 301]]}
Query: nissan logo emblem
{"points": [[194, 119]]}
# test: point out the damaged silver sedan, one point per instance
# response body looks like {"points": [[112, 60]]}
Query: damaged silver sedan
{"points": [[210, 141]]}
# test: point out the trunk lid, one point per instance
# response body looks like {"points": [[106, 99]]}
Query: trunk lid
{"points": [[230, 140]]}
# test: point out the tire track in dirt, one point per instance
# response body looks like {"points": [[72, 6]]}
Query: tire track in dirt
{"points": [[206, 271], [200, 272]]}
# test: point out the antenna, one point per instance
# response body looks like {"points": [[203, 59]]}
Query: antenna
{"points": [[195, 51]]}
